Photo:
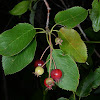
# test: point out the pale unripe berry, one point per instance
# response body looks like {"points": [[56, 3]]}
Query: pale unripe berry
{"points": [[39, 70]]}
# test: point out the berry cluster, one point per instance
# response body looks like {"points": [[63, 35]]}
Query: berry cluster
{"points": [[39, 68], [56, 74]]}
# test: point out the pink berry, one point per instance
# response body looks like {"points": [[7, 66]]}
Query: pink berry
{"points": [[49, 82], [56, 74], [38, 63]]}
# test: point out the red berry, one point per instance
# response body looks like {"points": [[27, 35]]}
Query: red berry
{"points": [[38, 63], [56, 74], [49, 82]]}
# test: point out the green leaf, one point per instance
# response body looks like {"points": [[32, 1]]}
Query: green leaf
{"points": [[71, 17], [16, 39], [66, 64], [62, 98], [95, 15], [72, 97], [91, 81], [94, 36], [73, 45], [20, 8], [16, 63]]}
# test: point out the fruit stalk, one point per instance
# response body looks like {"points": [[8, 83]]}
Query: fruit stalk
{"points": [[50, 54], [44, 52]]}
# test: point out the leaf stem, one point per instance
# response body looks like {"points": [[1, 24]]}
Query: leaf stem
{"points": [[92, 41], [40, 29], [53, 28], [56, 30], [79, 98], [74, 95]]}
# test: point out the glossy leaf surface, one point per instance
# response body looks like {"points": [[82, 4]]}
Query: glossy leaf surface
{"points": [[16, 39], [71, 17], [16, 63], [70, 74]]}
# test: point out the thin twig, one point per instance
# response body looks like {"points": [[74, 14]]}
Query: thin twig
{"points": [[63, 3], [48, 13], [8, 23], [57, 5], [82, 32], [44, 52], [87, 39], [97, 53]]}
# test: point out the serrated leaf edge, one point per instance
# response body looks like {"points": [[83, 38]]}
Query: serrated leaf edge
{"points": [[69, 18], [18, 38], [14, 60], [76, 49]]}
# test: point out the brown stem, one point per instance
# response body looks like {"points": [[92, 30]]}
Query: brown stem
{"points": [[44, 52], [50, 55], [82, 32], [48, 13], [87, 39], [48, 32]]}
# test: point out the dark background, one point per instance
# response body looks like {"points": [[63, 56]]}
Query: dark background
{"points": [[24, 85]]}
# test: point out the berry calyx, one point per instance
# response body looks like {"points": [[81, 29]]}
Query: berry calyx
{"points": [[58, 41], [56, 74], [49, 82], [39, 71], [38, 63]]}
